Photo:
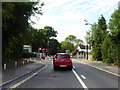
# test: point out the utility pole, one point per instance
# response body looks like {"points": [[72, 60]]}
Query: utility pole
{"points": [[87, 51], [87, 43]]}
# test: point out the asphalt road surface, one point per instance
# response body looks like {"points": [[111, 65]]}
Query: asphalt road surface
{"points": [[81, 76]]}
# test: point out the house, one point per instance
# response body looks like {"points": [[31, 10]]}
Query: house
{"points": [[27, 48], [83, 48]]}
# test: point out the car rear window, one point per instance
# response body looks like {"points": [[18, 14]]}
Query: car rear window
{"points": [[63, 56]]}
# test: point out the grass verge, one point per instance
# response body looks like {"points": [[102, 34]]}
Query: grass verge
{"points": [[11, 64]]}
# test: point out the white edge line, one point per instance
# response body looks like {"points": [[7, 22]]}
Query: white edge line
{"points": [[80, 80]]}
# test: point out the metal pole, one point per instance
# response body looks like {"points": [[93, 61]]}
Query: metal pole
{"points": [[87, 51], [47, 47]]}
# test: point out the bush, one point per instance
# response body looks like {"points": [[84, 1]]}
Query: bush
{"points": [[110, 51], [116, 53], [82, 52], [28, 54]]}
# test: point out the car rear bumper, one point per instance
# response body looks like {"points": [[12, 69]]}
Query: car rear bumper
{"points": [[58, 64]]}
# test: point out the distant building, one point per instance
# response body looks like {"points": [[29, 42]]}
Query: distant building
{"points": [[83, 48], [27, 48]]}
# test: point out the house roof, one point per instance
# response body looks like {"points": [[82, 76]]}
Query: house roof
{"points": [[82, 46]]}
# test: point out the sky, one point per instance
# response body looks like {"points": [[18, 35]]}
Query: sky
{"points": [[67, 16]]}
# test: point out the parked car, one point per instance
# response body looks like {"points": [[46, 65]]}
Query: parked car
{"points": [[62, 60]]}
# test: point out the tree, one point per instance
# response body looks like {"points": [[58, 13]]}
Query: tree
{"points": [[14, 26], [53, 47], [71, 39], [50, 32], [66, 46], [40, 38], [96, 36], [114, 26], [102, 27], [99, 35]]}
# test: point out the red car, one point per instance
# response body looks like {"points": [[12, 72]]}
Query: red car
{"points": [[62, 60]]}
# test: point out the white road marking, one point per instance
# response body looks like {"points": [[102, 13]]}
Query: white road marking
{"points": [[19, 83], [83, 76], [80, 80], [73, 67]]}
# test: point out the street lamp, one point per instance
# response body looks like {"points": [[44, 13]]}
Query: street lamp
{"points": [[87, 43]]}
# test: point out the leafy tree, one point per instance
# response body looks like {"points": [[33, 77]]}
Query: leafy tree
{"points": [[102, 27], [39, 38], [114, 26], [66, 46], [79, 42], [91, 35], [105, 42], [53, 47], [71, 39], [15, 16], [50, 32], [99, 35], [96, 36]]}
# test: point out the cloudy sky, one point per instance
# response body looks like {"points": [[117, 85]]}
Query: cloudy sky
{"points": [[67, 16]]}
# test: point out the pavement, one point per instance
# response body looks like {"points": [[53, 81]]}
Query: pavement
{"points": [[13, 74], [112, 69]]}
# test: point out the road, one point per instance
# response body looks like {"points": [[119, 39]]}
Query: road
{"points": [[81, 76]]}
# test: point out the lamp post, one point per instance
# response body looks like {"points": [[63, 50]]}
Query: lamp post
{"points": [[87, 43]]}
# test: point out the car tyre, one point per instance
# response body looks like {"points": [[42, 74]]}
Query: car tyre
{"points": [[55, 68], [70, 68]]}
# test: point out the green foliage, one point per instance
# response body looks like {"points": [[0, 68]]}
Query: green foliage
{"points": [[28, 55], [53, 47], [104, 49], [70, 43], [96, 37], [106, 43], [71, 38], [82, 52], [114, 26], [41, 38], [73, 53], [96, 52], [15, 27], [79, 42], [49, 32], [66, 46]]}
